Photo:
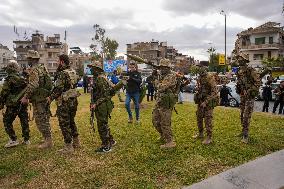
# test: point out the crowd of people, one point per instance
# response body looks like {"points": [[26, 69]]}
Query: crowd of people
{"points": [[163, 85]]}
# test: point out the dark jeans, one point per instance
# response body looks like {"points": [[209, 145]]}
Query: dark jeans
{"points": [[150, 93], [135, 97], [276, 103], [265, 106]]}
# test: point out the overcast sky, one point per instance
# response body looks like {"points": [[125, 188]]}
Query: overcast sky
{"points": [[191, 26]]}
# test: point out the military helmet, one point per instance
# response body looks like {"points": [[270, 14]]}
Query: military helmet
{"points": [[33, 54], [96, 64], [12, 66], [165, 62]]}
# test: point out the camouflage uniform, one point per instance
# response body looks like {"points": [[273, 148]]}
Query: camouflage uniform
{"points": [[102, 92], [206, 98], [38, 89], [11, 87], [165, 102], [66, 95], [247, 86]]}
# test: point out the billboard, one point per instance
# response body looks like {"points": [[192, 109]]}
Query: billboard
{"points": [[111, 65], [221, 59]]}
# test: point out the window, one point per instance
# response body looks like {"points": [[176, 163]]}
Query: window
{"points": [[258, 56], [270, 40], [49, 54], [260, 40], [269, 54]]}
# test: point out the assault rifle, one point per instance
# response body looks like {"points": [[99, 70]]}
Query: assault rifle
{"points": [[141, 60], [92, 117]]}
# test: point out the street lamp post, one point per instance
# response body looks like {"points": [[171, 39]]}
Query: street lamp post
{"points": [[223, 13]]}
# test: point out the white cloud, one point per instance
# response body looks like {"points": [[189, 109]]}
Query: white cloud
{"points": [[188, 25]]}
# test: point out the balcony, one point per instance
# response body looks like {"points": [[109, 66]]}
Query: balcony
{"points": [[20, 49], [273, 46]]}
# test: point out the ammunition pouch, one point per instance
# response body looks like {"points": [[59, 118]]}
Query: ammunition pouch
{"points": [[71, 93], [105, 108], [253, 92], [40, 95], [168, 100], [10, 101], [213, 102]]}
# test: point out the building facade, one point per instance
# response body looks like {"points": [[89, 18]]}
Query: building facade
{"points": [[265, 41], [5, 56], [49, 49]]}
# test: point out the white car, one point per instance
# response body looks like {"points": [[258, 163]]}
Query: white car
{"points": [[2, 81], [235, 100]]}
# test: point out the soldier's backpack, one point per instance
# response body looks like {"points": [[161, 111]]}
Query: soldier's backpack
{"points": [[45, 85], [73, 79]]}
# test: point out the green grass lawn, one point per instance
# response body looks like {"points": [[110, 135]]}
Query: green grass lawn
{"points": [[137, 161]]}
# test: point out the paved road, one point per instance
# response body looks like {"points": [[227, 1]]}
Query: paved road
{"points": [[188, 97], [263, 173]]}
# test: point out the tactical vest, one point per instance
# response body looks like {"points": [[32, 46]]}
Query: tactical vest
{"points": [[17, 84], [72, 79], [169, 98], [45, 85]]}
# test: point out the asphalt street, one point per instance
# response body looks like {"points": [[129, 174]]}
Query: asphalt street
{"points": [[188, 97]]}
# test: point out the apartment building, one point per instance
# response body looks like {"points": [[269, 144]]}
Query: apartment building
{"points": [[49, 49], [264, 41]]}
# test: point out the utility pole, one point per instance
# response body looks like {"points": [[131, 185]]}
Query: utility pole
{"points": [[224, 14]]}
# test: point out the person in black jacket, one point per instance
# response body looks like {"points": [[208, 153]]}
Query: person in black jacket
{"points": [[133, 91], [267, 96], [224, 92], [279, 98]]}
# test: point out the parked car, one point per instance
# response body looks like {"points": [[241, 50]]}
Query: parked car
{"points": [[80, 83], [235, 100], [2, 81]]}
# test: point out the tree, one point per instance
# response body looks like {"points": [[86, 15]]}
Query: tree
{"points": [[110, 49], [273, 62], [106, 45]]}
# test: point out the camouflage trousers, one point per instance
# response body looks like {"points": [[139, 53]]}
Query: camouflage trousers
{"points": [[246, 107], [205, 113], [161, 119], [10, 115], [102, 116], [66, 113], [41, 111]]}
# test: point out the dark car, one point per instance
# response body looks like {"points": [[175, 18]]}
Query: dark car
{"points": [[80, 83]]}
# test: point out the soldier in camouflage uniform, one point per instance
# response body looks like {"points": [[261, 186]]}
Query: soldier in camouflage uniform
{"points": [[66, 95], [206, 98], [13, 84], [166, 98], [247, 86], [102, 92], [38, 89]]}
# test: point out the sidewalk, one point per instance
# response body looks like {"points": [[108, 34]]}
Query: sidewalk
{"points": [[264, 173]]}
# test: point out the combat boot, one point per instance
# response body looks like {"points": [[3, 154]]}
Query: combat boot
{"points": [[244, 139], [208, 140], [76, 142], [67, 149], [168, 145], [46, 144], [198, 136]]}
